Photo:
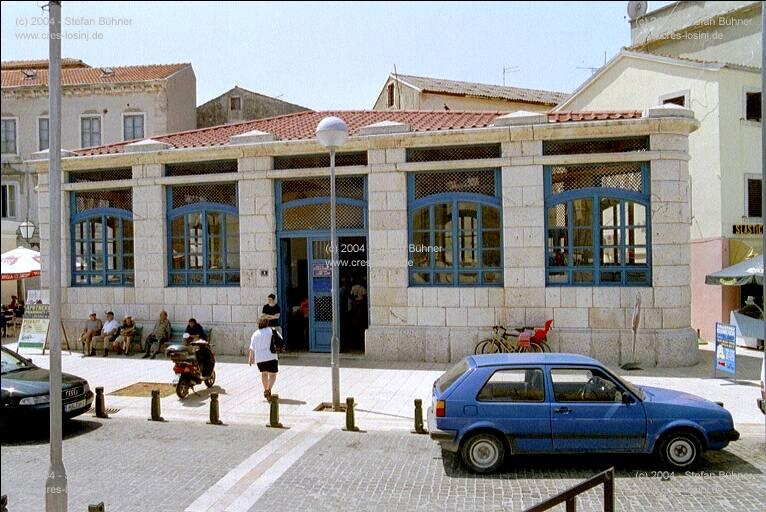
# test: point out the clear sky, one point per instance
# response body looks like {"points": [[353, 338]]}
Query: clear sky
{"points": [[333, 55]]}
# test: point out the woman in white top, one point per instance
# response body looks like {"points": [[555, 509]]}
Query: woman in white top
{"points": [[260, 353]]}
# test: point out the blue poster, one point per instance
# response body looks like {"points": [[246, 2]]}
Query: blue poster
{"points": [[322, 285], [725, 348]]}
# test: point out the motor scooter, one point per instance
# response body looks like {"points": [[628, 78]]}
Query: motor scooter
{"points": [[194, 363]]}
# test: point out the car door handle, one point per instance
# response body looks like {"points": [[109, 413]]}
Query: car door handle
{"points": [[562, 410]]}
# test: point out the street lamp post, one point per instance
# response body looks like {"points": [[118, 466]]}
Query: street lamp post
{"points": [[56, 483], [27, 231], [331, 133]]}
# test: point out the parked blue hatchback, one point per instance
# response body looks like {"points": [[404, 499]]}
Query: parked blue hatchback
{"points": [[487, 407]]}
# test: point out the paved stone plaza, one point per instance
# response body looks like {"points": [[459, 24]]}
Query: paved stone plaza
{"points": [[186, 465]]}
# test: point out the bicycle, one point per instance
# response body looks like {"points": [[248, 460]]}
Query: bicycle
{"points": [[496, 344]]}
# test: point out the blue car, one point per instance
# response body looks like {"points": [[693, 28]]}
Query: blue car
{"points": [[488, 407]]}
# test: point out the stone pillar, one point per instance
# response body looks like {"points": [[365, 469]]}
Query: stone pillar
{"points": [[150, 249], [676, 341], [387, 259], [257, 243], [523, 236]]}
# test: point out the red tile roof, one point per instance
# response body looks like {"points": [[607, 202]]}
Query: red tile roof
{"points": [[41, 64], [90, 76], [302, 125], [561, 117]]}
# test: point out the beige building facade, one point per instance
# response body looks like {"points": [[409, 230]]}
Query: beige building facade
{"points": [[705, 58], [99, 106], [239, 104], [408, 92], [457, 222]]}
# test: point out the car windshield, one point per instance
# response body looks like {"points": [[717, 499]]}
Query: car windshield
{"points": [[632, 387], [450, 376], [11, 362]]}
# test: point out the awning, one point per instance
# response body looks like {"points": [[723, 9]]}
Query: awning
{"points": [[20, 263], [748, 271]]}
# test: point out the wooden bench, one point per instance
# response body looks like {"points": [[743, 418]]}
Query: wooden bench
{"points": [[177, 337]]}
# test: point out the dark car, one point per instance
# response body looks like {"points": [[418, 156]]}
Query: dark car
{"points": [[26, 392], [490, 406]]}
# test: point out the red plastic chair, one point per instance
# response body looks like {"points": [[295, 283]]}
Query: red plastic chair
{"points": [[541, 334]]}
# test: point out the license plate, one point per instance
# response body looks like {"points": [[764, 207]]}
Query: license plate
{"points": [[75, 405], [176, 378]]}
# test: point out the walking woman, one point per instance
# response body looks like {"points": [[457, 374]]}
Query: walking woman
{"points": [[261, 354]]}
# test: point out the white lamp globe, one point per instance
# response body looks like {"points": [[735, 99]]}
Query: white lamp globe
{"points": [[332, 132]]}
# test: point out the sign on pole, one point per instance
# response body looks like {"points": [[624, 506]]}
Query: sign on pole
{"points": [[34, 327], [725, 349]]}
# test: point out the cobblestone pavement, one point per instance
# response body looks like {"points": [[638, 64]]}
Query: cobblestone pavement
{"points": [[129, 464], [395, 471]]}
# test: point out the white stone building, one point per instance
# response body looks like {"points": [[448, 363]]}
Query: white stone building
{"points": [[99, 106], [452, 222], [705, 56]]}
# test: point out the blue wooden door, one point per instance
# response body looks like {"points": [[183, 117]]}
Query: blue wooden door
{"points": [[320, 295]]}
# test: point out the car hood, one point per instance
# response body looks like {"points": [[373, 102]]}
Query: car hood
{"points": [[34, 381], [662, 396]]}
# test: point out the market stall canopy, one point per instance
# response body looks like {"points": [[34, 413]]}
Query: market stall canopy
{"points": [[20, 263], [748, 271]]}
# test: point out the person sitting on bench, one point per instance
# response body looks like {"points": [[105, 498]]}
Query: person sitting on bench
{"points": [[160, 334]]}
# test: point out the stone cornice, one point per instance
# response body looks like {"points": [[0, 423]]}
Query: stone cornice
{"points": [[152, 87]]}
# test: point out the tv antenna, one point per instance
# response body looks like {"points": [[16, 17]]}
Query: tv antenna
{"points": [[593, 69], [509, 69]]}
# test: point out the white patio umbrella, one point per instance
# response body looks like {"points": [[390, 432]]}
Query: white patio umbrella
{"points": [[20, 263]]}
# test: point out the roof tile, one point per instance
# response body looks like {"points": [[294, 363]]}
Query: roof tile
{"points": [[16, 77]]}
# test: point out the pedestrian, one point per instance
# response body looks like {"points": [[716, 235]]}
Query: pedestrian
{"points": [[108, 334], [160, 334], [92, 327], [271, 311], [127, 332], [194, 331], [261, 354]]}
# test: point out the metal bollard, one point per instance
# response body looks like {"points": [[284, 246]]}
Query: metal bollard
{"points": [[274, 412], [350, 426], [214, 410], [419, 417], [100, 407], [96, 508], [4, 503], [156, 416]]}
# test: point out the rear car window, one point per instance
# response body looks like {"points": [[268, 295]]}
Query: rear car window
{"points": [[450, 376], [514, 385]]}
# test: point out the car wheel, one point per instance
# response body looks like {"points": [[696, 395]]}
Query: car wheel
{"points": [[680, 450], [483, 453]]}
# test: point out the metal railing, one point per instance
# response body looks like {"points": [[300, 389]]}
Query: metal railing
{"points": [[569, 497]]}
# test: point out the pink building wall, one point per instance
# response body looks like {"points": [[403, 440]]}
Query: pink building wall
{"points": [[710, 303]]}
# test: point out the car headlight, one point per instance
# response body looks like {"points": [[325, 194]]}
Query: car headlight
{"points": [[86, 388], [35, 400]]}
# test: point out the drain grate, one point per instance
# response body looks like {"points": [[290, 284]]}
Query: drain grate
{"points": [[108, 410]]}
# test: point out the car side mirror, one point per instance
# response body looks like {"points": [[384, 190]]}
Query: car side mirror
{"points": [[627, 399]]}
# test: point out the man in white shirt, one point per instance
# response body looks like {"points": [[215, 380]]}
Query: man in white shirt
{"points": [[108, 334]]}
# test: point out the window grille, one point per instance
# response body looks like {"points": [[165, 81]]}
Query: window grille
{"points": [[122, 173], [317, 216], [623, 176], [443, 153], [587, 146], [320, 160], [472, 182], [199, 168], [120, 199], [221, 193], [351, 187]]}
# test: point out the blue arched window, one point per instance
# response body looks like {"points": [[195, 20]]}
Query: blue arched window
{"points": [[598, 224], [455, 228], [101, 224], [203, 235]]}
